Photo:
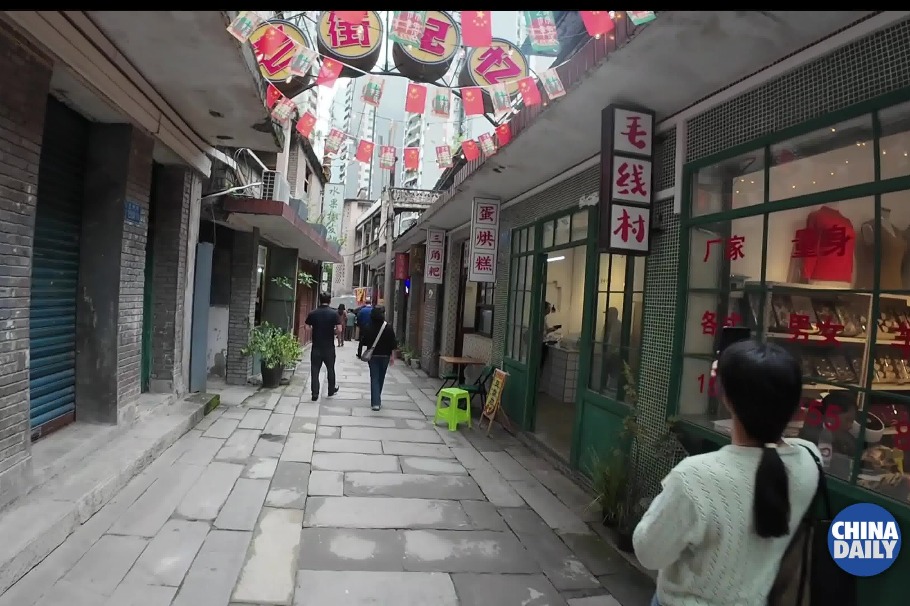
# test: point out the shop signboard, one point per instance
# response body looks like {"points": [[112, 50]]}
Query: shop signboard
{"points": [[276, 68], [357, 45], [493, 405], [501, 63], [626, 180], [402, 266], [436, 243], [484, 239], [430, 59]]}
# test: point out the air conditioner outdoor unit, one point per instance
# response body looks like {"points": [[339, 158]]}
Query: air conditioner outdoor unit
{"points": [[275, 186]]}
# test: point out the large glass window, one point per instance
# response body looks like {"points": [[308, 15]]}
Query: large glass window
{"points": [[807, 242], [617, 321], [521, 271]]}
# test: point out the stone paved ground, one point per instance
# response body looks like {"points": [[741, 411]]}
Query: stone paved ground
{"points": [[281, 500]]}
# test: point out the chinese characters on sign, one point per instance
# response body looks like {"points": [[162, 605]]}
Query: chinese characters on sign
{"points": [[354, 44], [626, 181], [436, 242], [429, 57], [733, 247], [484, 239], [276, 66], [501, 63], [710, 322], [829, 242]]}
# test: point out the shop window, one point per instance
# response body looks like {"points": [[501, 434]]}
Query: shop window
{"points": [[483, 316], [795, 255], [617, 321], [518, 311]]}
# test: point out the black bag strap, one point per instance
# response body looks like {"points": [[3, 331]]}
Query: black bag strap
{"points": [[822, 491]]}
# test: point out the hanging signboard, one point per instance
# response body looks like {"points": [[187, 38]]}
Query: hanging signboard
{"points": [[436, 243], [626, 180], [484, 239], [276, 68], [357, 45], [501, 63], [402, 266], [430, 59]]}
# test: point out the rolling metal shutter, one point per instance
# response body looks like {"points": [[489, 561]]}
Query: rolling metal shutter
{"points": [[55, 267]]}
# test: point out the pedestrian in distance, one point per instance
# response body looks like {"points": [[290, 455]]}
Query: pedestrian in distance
{"points": [[380, 341], [364, 315], [350, 320], [325, 324], [342, 319]]}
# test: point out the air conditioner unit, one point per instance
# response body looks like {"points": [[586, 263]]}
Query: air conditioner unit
{"points": [[275, 186]]}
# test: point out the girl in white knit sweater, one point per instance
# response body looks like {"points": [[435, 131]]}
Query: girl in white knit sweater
{"points": [[718, 530]]}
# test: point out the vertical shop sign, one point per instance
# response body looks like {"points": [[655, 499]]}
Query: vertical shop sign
{"points": [[436, 243], [626, 180], [402, 263], [484, 238]]}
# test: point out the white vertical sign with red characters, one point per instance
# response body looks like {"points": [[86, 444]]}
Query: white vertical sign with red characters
{"points": [[484, 240], [626, 180], [433, 265]]}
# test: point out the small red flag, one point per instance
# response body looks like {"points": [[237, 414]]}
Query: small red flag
{"points": [[416, 102], [503, 134], [530, 94], [364, 151], [270, 42], [272, 96], [470, 149], [476, 28], [597, 22], [305, 125], [354, 17], [472, 99], [329, 73], [412, 158]]}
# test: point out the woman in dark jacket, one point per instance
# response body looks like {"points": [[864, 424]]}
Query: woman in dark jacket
{"points": [[381, 357]]}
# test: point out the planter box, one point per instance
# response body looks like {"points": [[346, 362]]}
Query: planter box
{"points": [[415, 363]]}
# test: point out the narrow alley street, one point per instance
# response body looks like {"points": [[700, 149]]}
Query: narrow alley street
{"points": [[391, 511]]}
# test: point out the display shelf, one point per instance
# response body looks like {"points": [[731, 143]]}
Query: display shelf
{"points": [[816, 338]]}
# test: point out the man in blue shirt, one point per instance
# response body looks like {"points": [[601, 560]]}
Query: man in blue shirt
{"points": [[363, 321], [325, 323]]}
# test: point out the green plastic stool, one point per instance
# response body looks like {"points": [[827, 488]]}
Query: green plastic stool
{"points": [[453, 413]]}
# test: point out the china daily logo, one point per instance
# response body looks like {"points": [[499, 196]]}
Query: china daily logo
{"points": [[864, 539]]}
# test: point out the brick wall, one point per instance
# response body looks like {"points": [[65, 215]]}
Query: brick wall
{"points": [[26, 80], [244, 279], [416, 299], [451, 301], [429, 353], [132, 271], [174, 192]]}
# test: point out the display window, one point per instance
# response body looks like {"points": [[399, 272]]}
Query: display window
{"points": [[806, 241]]}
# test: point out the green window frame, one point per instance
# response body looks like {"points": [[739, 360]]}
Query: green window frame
{"points": [[518, 310], [790, 200]]}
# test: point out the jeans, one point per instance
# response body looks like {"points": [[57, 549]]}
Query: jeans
{"points": [[654, 601], [318, 357], [378, 367]]}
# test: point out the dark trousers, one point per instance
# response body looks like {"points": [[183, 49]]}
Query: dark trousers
{"points": [[379, 365], [319, 356]]}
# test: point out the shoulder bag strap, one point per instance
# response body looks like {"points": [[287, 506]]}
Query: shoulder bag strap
{"points": [[378, 334]]}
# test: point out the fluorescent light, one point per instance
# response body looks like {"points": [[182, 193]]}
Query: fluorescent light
{"points": [[559, 258]]}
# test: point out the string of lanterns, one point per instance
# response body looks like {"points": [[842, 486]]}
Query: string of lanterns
{"points": [[424, 36]]}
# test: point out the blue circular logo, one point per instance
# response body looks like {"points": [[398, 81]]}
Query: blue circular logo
{"points": [[864, 539]]}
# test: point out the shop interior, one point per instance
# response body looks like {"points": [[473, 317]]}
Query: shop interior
{"points": [[559, 365], [809, 285]]}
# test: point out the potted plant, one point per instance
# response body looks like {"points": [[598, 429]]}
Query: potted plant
{"points": [[276, 349], [609, 482]]}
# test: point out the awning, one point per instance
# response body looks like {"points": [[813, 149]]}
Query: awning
{"points": [[281, 225]]}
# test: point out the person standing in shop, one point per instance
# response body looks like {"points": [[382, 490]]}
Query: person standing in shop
{"points": [[363, 322], [325, 323]]}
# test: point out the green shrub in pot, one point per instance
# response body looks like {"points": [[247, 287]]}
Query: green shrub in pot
{"points": [[276, 348]]}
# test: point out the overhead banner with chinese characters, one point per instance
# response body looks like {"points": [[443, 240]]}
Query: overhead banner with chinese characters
{"points": [[430, 58], [436, 244], [499, 64], [357, 45], [276, 58], [626, 191], [484, 239]]}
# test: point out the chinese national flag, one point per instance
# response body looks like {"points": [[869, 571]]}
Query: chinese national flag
{"points": [[329, 73], [417, 99], [305, 125], [472, 99], [530, 94], [597, 23], [470, 149], [476, 28], [270, 42], [504, 134], [412, 158], [272, 96], [354, 17], [364, 151]]}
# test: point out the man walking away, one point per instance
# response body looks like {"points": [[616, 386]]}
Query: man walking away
{"points": [[326, 325], [364, 320]]}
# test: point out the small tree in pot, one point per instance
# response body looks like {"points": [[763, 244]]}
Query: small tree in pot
{"points": [[276, 349]]}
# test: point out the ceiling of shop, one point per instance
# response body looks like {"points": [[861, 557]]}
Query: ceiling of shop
{"points": [[674, 62], [199, 69]]}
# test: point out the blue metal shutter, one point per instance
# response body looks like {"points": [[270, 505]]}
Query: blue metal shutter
{"points": [[55, 266]]}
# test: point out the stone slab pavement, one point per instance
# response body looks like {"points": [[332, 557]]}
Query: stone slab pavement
{"points": [[276, 499]]}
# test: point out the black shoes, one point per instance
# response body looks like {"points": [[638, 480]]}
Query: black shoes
{"points": [[315, 396], [333, 391]]}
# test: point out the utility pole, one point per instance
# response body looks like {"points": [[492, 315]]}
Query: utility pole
{"points": [[389, 226]]}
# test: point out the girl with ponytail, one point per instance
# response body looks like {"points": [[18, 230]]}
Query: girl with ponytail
{"points": [[720, 526]]}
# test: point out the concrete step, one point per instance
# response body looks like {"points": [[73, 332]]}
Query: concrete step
{"points": [[85, 478]]}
